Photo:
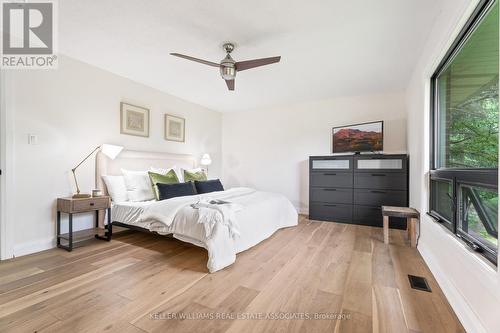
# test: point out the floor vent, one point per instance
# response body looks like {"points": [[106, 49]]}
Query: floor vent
{"points": [[419, 283]]}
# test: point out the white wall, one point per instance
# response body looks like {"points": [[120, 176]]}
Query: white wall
{"points": [[269, 148], [72, 110], [6, 184], [471, 285]]}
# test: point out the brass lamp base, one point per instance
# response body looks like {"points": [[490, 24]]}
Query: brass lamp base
{"points": [[81, 196]]}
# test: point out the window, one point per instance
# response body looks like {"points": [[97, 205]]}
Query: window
{"points": [[442, 200], [464, 122], [479, 215]]}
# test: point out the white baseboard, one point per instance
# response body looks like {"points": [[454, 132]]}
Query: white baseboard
{"points": [[33, 247], [457, 301]]}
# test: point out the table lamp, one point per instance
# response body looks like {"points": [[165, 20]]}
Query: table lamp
{"points": [[206, 161], [110, 151]]}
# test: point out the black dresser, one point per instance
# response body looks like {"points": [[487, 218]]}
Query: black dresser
{"points": [[352, 188]]}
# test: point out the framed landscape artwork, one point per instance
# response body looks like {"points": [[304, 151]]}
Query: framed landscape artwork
{"points": [[174, 128], [134, 120]]}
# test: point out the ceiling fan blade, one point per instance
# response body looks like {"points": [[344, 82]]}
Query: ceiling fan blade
{"points": [[206, 62], [230, 84], [248, 64]]}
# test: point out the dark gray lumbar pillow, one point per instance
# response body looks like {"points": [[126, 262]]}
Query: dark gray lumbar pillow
{"points": [[208, 186], [167, 191]]}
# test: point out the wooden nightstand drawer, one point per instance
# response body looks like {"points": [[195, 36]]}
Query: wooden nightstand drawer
{"points": [[69, 205], [90, 204]]}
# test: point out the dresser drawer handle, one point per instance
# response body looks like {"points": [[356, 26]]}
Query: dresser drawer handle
{"points": [[91, 203], [329, 189], [378, 175], [330, 174], [382, 192], [329, 205]]}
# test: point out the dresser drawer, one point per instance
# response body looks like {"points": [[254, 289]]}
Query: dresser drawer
{"points": [[380, 197], [377, 163], [339, 163], [368, 215], [90, 204], [372, 216], [331, 195], [381, 180], [330, 212], [331, 179]]}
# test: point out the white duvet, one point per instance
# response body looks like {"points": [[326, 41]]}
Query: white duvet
{"points": [[258, 216]]}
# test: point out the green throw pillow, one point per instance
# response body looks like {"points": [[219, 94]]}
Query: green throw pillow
{"points": [[169, 178], [192, 176]]}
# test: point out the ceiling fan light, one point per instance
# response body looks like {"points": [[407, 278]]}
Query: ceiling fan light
{"points": [[227, 72]]}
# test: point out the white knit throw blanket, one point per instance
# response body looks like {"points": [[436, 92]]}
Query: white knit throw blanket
{"points": [[210, 214]]}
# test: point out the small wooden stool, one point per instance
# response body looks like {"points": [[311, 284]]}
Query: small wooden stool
{"points": [[410, 214]]}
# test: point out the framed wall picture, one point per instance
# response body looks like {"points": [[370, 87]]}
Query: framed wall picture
{"points": [[174, 128], [134, 120]]}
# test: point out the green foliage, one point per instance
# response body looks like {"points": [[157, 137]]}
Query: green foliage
{"points": [[473, 134], [487, 201]]}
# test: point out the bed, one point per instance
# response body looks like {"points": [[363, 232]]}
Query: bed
{"points": [[254, 215]]}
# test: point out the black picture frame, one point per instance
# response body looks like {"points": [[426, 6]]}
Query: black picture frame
{"points": [[354, 125]]}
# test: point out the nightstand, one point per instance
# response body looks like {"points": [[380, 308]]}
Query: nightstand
{"points": [[72, 206]]}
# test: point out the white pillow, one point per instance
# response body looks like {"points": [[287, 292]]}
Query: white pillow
{"points": [[138, 185], [116, 188], [162, 171]]}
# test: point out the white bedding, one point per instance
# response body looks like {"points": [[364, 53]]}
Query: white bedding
{"points": [[128, 212], [263, 213]]}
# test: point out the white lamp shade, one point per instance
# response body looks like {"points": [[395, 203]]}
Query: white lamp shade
{"points": [[111, 151], [206, 160]]}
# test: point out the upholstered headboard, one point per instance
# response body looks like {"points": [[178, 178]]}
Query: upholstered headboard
{"points": [[137, 160]]}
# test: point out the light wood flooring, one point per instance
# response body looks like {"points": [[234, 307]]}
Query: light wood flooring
{"points": [[138, 282]]}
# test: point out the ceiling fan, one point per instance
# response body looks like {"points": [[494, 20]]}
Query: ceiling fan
{"points": [[229, 67]]}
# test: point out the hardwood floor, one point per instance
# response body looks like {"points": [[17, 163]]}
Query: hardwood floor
{"points": [[141, 282]]}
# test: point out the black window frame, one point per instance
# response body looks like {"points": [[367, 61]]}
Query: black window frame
{"points": [[436, 215], [485, 177]]}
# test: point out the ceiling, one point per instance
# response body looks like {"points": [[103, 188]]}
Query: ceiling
{"points": [[329, 48]]}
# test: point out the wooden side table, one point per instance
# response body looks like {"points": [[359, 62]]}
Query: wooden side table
{"points": [[410, 214], [72, 206]]}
